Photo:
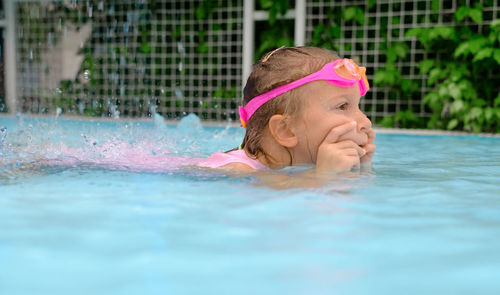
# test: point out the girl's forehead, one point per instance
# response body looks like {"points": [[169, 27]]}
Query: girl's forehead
{"points": [[325, 90]]}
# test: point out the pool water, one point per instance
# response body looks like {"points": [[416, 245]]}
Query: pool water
{"points": [[425, 221]]}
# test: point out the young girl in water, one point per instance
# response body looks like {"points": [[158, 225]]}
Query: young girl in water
{"points": [[301, 107]]}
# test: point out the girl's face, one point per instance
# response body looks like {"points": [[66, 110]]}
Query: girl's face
{"points": [[326, 107]]}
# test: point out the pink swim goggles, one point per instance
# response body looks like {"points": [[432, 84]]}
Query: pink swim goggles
{"points": [[342, 72]]}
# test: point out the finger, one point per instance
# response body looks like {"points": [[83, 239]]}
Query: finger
{"points": [[355, 152], [370, 151], [338, 131], [371, 135], [370, 148], [351, 145]]}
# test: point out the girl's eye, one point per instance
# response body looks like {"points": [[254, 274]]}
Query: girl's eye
{"points": [[343, 107]]}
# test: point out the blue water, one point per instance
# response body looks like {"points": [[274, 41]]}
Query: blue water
{"points": [[425, 221]]}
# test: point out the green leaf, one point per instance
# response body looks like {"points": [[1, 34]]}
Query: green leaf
{"points": [[272, 16], [496, 102], [443, 90], [454, 91], [426, 65], [145, 48], [452, 124], [266, 4], [430, 98], [477, 44], [476, 15], [495, 23], [492, 37], [360, 16], [444, 32], [400, 49], [388, 122], [379, 77], [371, 3], [406, 118], [413, 32], [435, 5], [349, 13], [218, 93], [202, 48], [496, 55], [317, 34], [200, 12], [462, 49], [434, 75], [334, 32], [462, 12], [408, 86], [482, 54], [457, 106], [488, 114], [475, 112], [391, 54]]}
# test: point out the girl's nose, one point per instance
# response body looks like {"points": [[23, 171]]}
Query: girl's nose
{"points": [[364, 123]]}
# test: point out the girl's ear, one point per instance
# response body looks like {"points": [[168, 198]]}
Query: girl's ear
{"points": [[281, 131]]}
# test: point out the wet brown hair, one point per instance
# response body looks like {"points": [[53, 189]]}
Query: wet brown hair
{"points": [[277, 68]]}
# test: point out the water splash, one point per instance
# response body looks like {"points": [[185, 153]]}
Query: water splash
{"points": [[3, 136], [81, 107], [86, 75], [178, 93], [159, 122], [181, 49], [154, 146]]}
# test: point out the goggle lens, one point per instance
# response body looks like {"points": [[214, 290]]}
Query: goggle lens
{"points": [[350, 70]]}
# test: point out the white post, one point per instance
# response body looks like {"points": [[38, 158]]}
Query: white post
{"points": [[300, 23], [10, 56], [248, 38]]}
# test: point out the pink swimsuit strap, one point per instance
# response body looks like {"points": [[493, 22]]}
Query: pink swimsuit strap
{"points": [[219, 159]]}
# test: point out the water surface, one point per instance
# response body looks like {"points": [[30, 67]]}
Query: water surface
{"points": [[425, 221]]}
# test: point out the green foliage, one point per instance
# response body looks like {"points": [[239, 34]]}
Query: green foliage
{"points": [[275, 8], [354, 13], [225, 93], [476, 13], [465, 84], [273, 37], [276, 31], [389, 75], [462, 72], [204, 10], [326, 35], [402, 119], [427, 35]]}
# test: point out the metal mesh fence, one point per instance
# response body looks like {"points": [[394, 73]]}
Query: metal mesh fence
{"points": [[2, 63], [377, 26], [131, 58], [2, 75]]}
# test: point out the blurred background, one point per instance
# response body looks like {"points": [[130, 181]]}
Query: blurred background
{"points": [[431, 63]]}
